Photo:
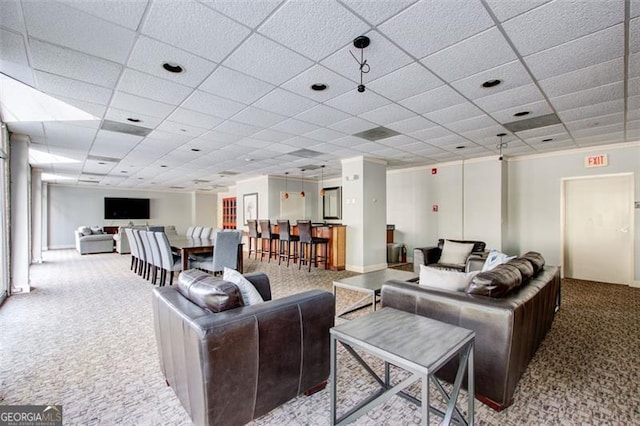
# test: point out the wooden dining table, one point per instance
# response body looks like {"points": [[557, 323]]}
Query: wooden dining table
{"points": [[186, 246]]}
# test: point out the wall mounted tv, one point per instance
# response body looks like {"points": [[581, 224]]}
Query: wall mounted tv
{"points": [[126, 208]]}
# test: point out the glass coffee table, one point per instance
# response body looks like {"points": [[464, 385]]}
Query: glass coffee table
{"points": [[370, 284]]}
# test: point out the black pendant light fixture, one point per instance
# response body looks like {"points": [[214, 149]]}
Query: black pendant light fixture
{"points": [[322, 181], [360, 43], [302, 194], [286, 193], [501, 145]]}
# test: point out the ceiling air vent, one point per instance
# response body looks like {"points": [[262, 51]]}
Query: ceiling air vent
{"points": [[103, 159], [377, 133], [309, 167], [227, 173], [130, 129], [176, 187], [305, 153], [532, 123]]}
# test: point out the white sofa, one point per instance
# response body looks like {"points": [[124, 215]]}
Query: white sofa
{"points": [[93, 240]]}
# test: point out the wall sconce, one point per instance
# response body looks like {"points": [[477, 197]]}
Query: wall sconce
{"points": [[302, 194], [286, 194]]}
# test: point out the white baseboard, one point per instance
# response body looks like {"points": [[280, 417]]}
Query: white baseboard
{"points": [[365, 269], [635, 284], [61, 247]]}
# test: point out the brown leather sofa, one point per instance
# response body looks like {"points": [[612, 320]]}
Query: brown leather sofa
{"points": [[230, 367], [508, 329], [431, 255]]}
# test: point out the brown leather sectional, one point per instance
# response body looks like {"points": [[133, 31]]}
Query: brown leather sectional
{"points": [[230, 367], [508, 329]]}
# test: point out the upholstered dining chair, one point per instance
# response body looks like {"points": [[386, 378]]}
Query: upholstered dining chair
{"points": [[189, 233], [268, 236], [286, 239], [309, 246], [197, 231], [150, 267], [225, 253], [142, 264], [155, 254], [206, 232], [255, 243], [170, 263], [133, 246]]}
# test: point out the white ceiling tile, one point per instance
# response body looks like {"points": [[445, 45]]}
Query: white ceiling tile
{"points": [[321, 115], [148, 86], [454, 113], [563, 21], [56, 85], [193, 118], [448, 141], [113, 144], [633, 87], [471, 56], [488, 135], [476, 123], [433, 100], [123, 13], [121, 115], [219, 139], [536, 109], [249, 12], [234, 85], [324, 134], [555, 146], [96, 110], [66, 26], [141, 105], [336, 84], [295, 127], [213, 105], [283, 102], [405, 82], [441, 23], [542, 132], [633, 103], [32, 128], [300, 142], [429, 134], [352, 125], [235, 128], [78, 66], [195, 28], [256, 58], [411, 125], [313, 28], [599, 47], [258, 117], [11, 16], [356, 103], [58, 133], [381, 55], [388, 114], [594, 122], [508, 9], [271, 135], [181, 129], [610, 92], [598, 130], [511, 75], [584, 78], [635, 8], [149, 55], [510, 98], [13, 61], [593, 110], [634, 35], [375, 12]]}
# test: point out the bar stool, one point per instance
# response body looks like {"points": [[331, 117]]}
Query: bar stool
{"points": [[254, 238], [266, 234], [309, 246], [284, 229]]}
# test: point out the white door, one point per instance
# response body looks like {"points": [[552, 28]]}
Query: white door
{"points": [[598, 237]]}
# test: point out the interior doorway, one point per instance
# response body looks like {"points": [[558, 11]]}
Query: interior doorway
{"points": [[598, 228]]}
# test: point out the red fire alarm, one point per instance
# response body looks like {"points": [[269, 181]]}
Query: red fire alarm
{"points": [[435, 208], [434, 171]]}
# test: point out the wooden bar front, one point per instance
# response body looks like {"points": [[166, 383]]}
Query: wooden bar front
{"points": [[337, 247]]}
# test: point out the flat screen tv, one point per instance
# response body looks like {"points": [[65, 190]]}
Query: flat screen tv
{"points": [[126, 208]]}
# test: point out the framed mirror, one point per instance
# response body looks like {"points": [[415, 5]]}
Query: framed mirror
{"points": [[332, 203]]}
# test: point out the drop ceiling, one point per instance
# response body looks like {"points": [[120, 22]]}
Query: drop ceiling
{"points": [[243, 106]]}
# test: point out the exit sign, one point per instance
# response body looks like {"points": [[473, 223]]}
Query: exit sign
{"points": [[596, 160]]}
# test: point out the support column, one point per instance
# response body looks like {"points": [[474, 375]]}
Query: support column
{"points": [[364, 194], [36, 216], [20, 214]]}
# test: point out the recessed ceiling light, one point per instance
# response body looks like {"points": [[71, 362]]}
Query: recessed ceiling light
{"points": [[163, 165], [501, 135], [521, 113], [102, 163], [248, 159], [174, 68], [195, 149], [460, 147], [547, 140], [491, 83], [318, 87], [183, 130], [140, 178], [123, 171], [134, 120]]}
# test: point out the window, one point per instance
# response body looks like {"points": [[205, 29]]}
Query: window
{"points": [[4, 215]]}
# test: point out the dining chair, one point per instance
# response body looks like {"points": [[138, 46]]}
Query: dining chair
{"points": [[309, 246], [206, 232], [267, 235], [148, 264], [224, 255], [155, 254], [197, 231], [133, 246], [170, 263], [142, 263], [189, 233], [286, 239], [255, 243]]}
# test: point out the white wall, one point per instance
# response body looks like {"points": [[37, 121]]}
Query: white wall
{"points": [[73, 206], [483, 201], [20, 205], [205, 209]]}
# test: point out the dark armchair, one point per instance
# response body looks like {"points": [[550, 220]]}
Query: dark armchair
{"points": [[430, 256]]}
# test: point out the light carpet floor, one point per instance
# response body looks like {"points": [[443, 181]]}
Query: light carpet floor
{"points": [[84, 338]]}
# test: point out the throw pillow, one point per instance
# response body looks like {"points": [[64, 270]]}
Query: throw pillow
{"points": [[445, 279], [536, 259], [96, 230], [455, 253], [84, 230], [525, 267], [209, 292], [495, 283], [494, 259], [249, 293]]}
